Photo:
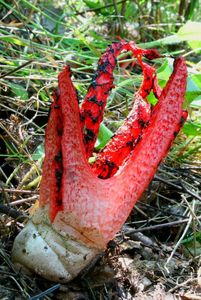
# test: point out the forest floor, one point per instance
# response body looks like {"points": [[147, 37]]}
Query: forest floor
{"points": [[154, 261], [157, 254]]}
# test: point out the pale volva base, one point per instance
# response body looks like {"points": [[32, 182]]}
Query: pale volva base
{"points": [[40, 249]]}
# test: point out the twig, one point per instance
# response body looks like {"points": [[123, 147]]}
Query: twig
{"points": [[168, 182], [178, 243], [157, 209], [16, 69], [24, 24], [190, 280], [13, 213], [47, 292], [182, 187], [159, 226], [190, 192], [17, 191], [20, 114], [117, 15], [188, 168], [190, 208], [99, 8], [20, 201]]}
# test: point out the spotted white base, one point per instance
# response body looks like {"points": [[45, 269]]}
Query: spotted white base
{"points": [[41, 249]]}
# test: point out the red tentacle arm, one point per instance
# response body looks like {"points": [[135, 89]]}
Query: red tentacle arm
{"points": [[93, 106], [167, 117], [127, 136], [59, 243], [50, 188], [94, 103]]}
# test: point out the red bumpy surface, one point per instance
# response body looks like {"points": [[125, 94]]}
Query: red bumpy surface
{"points": [[134, 152]]}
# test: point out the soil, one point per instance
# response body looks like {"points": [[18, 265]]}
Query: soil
{"points": [[147, 259]]}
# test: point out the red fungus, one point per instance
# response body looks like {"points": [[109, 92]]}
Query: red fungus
{"points": [[79, 212]]}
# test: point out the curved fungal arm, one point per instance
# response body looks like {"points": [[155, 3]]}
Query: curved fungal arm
{"points": [[126, 137], [92, 109], [165, 122], [65, 163]]}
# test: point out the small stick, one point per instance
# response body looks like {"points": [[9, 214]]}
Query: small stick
{"points": [[47, 292], [178, 243], [159, 226], [13, 213], [17, 69], [168, 182], [183, 284], [20, 201], [190, 192], [17, 191]]}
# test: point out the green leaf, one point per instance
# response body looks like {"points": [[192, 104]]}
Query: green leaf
{"points": [[131, 10], [191, 9], [196, 103], [191, 32], [39, 152], [195, 45], [192, 129], [165, 70], [193, 243], [19, 91], [197, 79], [192, 95], [104, 136], [193, 87], [169, 40], [92, 4], [193, 90], [152, 99], [14, 40]]}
